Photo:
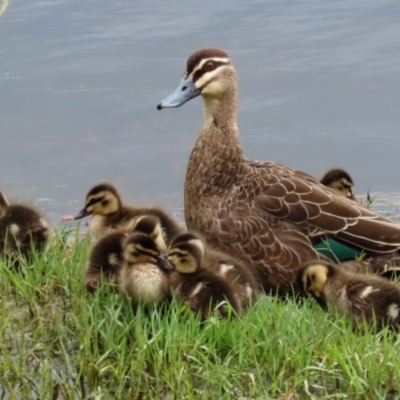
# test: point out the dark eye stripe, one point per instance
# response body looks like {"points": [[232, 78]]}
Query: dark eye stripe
{"points": [[94, 201], [200, 72], [147, 252]]}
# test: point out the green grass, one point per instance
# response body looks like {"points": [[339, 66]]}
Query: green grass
{"points": [[59, 342]]}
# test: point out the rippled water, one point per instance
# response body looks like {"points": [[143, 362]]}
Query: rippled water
{"points": [[79, 82]]}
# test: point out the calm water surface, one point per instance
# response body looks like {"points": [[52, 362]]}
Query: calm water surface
{"points": [[80, 80]]}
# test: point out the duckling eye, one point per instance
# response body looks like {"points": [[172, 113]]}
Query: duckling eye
{"points": [[209, 66], [104, 203]]}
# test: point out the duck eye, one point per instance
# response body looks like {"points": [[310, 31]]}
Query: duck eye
{"points": [[104, 203], [209, 66]]}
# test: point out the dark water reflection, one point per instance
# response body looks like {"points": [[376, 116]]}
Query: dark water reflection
{"points": [[79, 82]]}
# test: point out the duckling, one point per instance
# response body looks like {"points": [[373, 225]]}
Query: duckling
{"points": [[108, 212], [106, 257], [361, 297], [205, 277], [151, 226], [22, 227], [143, 276], [339, 181], [105, 260]]}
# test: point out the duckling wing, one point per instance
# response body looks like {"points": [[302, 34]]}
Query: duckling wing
{"points": [[298, 198]]}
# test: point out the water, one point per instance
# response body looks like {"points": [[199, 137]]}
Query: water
{"points": [[79, 84]]}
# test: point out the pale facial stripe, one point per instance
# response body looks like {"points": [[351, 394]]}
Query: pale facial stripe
{"points": [[214, 59], [207, 77]]}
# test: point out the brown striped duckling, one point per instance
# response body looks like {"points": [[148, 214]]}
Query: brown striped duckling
{"points": [[21, 227], [339, 181], [206, 278], [108, 212], [151, 226], [143, 276], [360, 297]]}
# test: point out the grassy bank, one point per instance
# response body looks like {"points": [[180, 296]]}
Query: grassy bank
{"points": [[58, 342]]}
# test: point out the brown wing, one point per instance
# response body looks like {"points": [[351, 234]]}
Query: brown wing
{"points": [[250, 237], [298, 198]]}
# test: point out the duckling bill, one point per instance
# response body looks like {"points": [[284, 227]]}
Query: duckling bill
{"points": [[361, 297]]}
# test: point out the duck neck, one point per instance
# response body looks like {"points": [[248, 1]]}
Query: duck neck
{"points": [[217, 156], [219, 132], [221, 110]]}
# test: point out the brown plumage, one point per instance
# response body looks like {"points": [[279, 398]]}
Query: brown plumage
{"points": [[143, 276], [207, 278], [22, 227], [105, 260], [261, 213], [108, 212], [339, 181], [360, 297]]}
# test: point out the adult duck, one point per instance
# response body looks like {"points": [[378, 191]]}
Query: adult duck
{"points": [[265, 214]]}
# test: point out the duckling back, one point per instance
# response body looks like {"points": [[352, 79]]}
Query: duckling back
{"points": [[205, 292], [105, 260], [242, 281]]}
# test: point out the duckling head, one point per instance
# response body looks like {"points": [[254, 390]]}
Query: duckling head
{"points": [[339, 181], [102, 199], [312, 278], [209, 73], [151, 226], [186, 253], [142, 249]]}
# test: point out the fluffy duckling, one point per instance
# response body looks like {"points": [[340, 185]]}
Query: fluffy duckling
{"points": [[151, 226], [360, 297], [206, 278], [144, 276], [339, 181], [21, 228], [108, 212], [106, 257], [105, 260]]}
